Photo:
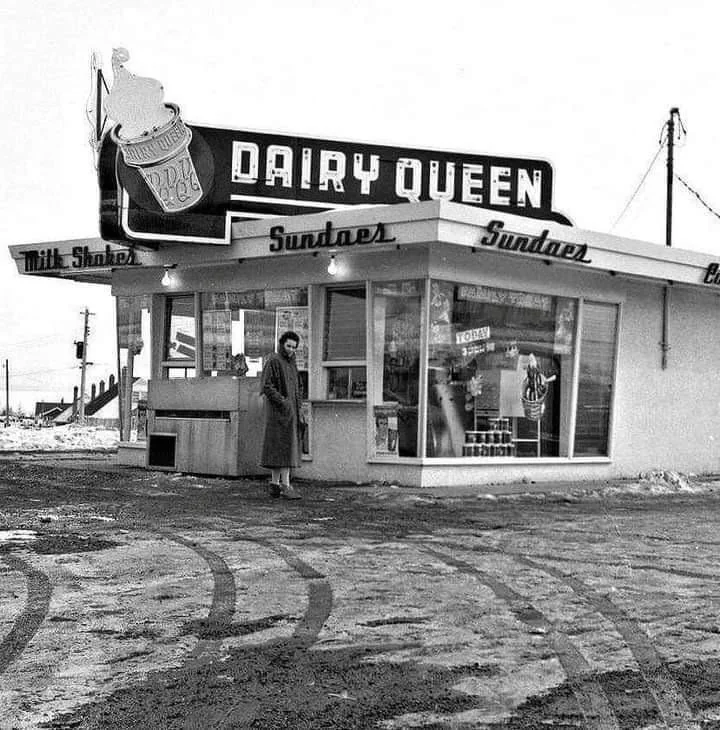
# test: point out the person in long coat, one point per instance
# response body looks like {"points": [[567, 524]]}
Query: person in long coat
{"points": [[280, 385]]}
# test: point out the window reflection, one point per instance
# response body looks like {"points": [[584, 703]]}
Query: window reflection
{"points": [[597, 363], [397, 308], [180, 328], [133, 325], [483, 343]]}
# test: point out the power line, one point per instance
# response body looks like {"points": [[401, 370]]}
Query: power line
{"points": [[50, 338], [40, 372], [698, 196], [640, 184]]}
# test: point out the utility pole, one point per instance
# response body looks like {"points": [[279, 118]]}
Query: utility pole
{"points": [[7, 393], [83, 366], [664, 344], [670, 174]]}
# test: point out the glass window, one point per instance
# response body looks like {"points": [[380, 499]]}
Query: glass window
{"points": [[240, 329], [133, 323], [344, 343], [500, 372], [397, 308], [180, 329], [595, 383], [345, 324]]}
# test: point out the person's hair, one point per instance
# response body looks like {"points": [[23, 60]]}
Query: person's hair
{"points": [[289, 335]]}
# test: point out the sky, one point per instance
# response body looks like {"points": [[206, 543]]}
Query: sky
{"points": [[586, 86]]}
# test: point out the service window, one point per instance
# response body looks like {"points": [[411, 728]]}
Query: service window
{"points": [[344, 355], [179, 342], [241, 328]]}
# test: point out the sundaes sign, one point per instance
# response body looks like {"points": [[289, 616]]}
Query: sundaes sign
{"points": [[539, 245], [328, 238], [162, 179]]}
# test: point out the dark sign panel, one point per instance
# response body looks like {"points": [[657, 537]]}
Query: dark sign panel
{"points": [[235, 175]]}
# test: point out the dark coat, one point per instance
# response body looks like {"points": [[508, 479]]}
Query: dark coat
{"points": [[280, 385]]}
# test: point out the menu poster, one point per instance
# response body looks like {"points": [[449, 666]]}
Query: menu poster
{"points": [[275, 298], [503, 297], [306, 412], [217, 339], [489, 397], [295, 319], [254, 299], [386, 430], [564, 327], [259, 333], [129, 319]]}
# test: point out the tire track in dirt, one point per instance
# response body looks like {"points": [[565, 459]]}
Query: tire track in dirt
{"points": [[243, 713], [319, 597], [222, 606], [37, 605], [592, 701], [680, 572], [668, 697]]}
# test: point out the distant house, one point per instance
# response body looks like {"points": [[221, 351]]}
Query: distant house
{"points": [[46, 411], [101, 406]]}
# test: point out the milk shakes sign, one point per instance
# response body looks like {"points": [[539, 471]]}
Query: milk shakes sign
{"points": [[162, 179]]}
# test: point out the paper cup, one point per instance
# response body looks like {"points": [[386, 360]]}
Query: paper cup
{"points": [[163, 159]]}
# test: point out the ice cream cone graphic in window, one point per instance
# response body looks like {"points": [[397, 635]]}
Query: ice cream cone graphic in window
{"points": [[152, 137]]}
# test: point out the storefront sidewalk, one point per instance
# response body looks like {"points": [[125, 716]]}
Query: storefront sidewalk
{"points": [[656, 482]]}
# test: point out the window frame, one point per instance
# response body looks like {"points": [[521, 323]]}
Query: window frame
{"points": [[326, 364], [179, 363]]}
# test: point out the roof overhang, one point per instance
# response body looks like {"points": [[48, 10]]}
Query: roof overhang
{"points": [[382, 228], [89, 260]]}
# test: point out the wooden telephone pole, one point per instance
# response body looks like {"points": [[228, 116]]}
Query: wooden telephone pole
{"points": [[7, 392], [664, 344], [83, 366]]}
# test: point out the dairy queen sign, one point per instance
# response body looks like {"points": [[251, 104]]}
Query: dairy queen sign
{"points": [[164, 179]]}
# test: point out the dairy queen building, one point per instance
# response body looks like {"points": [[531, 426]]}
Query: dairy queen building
{"points": [[455, 329]]}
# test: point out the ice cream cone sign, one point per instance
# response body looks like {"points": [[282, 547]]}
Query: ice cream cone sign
{"points": [[534, 389], [152, 137]]}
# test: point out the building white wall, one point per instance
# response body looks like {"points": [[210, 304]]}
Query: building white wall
{"points": [[667, 419], [670, 418]]}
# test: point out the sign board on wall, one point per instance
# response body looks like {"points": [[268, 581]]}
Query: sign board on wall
{"points": [[248, 175], [295, 319]]}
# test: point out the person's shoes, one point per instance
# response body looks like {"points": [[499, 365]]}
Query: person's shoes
{"points": [[289, 492], [274, 490]]}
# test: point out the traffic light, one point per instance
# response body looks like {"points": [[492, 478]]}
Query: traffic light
{"points": [[79, 350]]}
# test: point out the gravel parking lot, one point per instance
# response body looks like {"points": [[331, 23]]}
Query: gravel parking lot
{"points": [[141, 599]]}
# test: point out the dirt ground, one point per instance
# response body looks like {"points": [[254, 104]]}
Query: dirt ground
{"points": [[134, 599]]}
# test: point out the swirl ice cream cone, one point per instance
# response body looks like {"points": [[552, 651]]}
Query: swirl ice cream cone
{"points": [[152, 137]]}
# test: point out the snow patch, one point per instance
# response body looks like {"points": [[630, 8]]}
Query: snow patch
{"points": [[16, 536], [71, 437]]}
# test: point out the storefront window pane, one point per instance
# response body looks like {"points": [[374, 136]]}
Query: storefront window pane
{"points": [[595, 385], [397, 308], [347, 382], [180, 328], [345, 324], [133, 322], [240, 329], [485, 346]]}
